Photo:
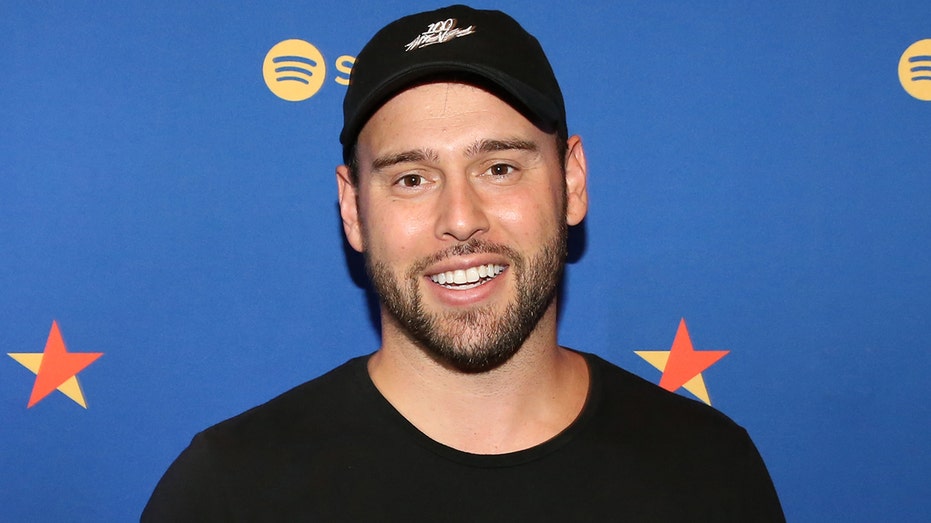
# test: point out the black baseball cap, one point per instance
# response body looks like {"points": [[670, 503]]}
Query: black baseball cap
{"points": [[457, 42]]}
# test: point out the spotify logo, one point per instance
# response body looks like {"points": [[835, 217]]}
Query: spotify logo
{"points": [[915, 70], [295, 70]]}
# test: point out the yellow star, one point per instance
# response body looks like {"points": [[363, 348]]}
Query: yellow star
{"points": [[56, 368], [682, 365]]}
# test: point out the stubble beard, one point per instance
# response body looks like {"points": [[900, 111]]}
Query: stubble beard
{"points": [[476, 339]]}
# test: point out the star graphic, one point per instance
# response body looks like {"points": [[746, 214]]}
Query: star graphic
{"points": [[682, 365], [56, 368]]}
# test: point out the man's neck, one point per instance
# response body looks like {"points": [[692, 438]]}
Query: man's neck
{"points": [[522, 403]]}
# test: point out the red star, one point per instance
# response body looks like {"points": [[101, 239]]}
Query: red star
{"points": [[58, 366], [685, 362]]}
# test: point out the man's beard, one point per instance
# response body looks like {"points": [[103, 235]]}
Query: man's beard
{"points": [[476, 339]]}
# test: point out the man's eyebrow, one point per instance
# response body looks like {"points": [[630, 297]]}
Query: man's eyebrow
{"points": [[430, 155], [490, 146], [414, 155]]}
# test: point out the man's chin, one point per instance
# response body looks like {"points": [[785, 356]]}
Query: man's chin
{"points": [[474, 361]]}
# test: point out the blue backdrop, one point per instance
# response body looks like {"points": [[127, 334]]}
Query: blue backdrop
{"points": [[759, 171]]}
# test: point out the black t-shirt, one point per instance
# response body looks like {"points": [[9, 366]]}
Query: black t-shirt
{"points": [[333, 449]]}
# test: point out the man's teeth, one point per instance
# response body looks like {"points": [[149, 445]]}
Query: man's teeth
{"points": [[467, 276]]}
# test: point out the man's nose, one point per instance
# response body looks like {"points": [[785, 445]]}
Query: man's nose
{"points": [[462, 213]]}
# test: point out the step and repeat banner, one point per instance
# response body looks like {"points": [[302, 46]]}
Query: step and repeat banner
{"points": [[171, 252]]}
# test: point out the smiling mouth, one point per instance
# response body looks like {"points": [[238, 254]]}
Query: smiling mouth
{"points": [[463, 279]]}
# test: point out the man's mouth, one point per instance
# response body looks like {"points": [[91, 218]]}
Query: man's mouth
{"points": [[462, 279]]}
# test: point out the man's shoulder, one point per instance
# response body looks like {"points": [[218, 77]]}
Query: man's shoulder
{"points": [[699, 455], [633, 401], [299, 411], [228, 468]]}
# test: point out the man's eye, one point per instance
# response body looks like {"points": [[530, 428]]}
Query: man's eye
{"points": [[411, 180], [500, 169]]}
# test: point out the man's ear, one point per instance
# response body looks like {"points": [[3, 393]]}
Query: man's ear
{"points": [[349, 208], [576, 181]]}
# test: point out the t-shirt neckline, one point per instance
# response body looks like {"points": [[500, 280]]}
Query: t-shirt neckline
{"points": [[390, 414]]}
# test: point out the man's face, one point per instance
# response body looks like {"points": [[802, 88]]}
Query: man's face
{"points": [[461, 212]]}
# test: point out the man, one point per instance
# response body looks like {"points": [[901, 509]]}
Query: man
{"points": [[459, 183]]}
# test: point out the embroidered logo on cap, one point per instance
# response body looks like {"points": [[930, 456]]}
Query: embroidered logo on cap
{"points": [[438, 33]]}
